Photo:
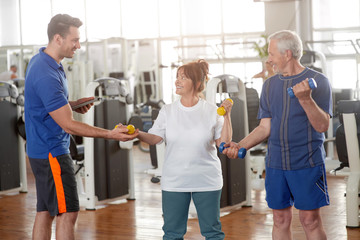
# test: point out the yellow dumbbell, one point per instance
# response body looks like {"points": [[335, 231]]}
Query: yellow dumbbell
{"points": [[221, 110], [130, 127]]}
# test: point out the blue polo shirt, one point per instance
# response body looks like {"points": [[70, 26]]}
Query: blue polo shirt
{"points": [[45, 91], [293, 143]]}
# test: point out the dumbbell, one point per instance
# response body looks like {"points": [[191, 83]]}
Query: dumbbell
{"points": [[312, 85], [241, 152], [221, 110], [130, 127]]}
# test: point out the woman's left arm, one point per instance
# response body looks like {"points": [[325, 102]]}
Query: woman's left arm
{"points": [[226, 132]]}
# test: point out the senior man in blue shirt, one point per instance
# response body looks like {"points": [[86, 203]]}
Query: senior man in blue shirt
{"points": [[294, 127]]}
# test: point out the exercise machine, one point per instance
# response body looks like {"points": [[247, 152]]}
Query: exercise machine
{"points": [[12, 151], [349, 156], [236, 172], [108, 165], [157, 152]]}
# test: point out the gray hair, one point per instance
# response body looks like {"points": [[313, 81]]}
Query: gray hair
{"points": [[288, 40]]}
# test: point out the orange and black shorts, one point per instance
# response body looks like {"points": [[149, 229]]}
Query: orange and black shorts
{"points": [[55, 184]]}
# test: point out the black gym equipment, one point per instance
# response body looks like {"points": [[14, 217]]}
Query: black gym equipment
{"points": [[12, 151]]}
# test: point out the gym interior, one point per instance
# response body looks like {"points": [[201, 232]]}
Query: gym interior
{"points": [[129, 55]]}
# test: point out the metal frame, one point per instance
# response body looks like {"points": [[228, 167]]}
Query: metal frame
{"points": [[88, 198], [13, 94], [353, 182]]}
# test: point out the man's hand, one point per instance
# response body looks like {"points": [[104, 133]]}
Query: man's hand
{"points": [[302, 90], [120, 133], [82, 109], [231, 150]]}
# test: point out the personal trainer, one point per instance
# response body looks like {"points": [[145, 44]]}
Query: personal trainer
{"points": [[49, 122]]}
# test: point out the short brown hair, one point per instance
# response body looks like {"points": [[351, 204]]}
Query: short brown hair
{"points": [[60, 24], [198, 72]]}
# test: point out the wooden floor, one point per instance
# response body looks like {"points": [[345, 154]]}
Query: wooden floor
{"points": [[141, 219]]}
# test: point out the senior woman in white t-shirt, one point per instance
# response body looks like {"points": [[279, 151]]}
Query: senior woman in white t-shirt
{"points": [[190, 128]]}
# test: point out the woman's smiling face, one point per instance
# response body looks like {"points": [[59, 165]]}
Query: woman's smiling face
{"points": [[183, 84]]}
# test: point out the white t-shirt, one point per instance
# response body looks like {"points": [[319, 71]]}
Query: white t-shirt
{"points": [[191, 162]]}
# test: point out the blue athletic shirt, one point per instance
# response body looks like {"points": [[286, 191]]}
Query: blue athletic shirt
{"points": [[293, 143], [45, 91]]}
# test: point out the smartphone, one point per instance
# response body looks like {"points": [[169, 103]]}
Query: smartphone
{"points": [[96, 99]]}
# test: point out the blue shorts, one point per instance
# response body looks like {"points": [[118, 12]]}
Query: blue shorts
{"points": [[306, 189], [56, 188]]}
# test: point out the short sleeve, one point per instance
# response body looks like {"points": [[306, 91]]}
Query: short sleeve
{"points": [[159, 126], [322, 94], [51, 93], [264, 105]]}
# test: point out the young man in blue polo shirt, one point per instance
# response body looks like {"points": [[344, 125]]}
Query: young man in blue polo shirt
{"points": [[49, 123], [294, 127]]}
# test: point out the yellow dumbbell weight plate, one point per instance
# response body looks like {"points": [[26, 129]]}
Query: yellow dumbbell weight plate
{"points": [[131, 129], [221, 110]]}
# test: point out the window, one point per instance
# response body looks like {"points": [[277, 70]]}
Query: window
{"points": [[103, 19], [238, 14], [343, 73], [336, 29], [335, 13], [169, 18], [35, 16], [77, 10], [168, 71], [139, 18], [201, 17]]}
